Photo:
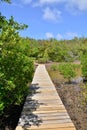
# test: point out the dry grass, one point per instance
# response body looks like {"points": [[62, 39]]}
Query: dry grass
{"points": [[55, 74]]}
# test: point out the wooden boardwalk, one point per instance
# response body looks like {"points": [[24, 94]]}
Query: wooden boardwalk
{"points": [[43, 109]]}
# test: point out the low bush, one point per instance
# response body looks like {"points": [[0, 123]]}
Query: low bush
{"points": [[67, 70], [42, 60], [54, 67], [84, 65]]}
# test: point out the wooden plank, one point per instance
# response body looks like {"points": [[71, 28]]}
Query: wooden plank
{"points": [[54, 117], [63, 121], [57, 128], [54, 114], [51, 126], [50, 111], [44, 110]]}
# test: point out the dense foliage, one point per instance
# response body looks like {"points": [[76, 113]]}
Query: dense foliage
{"points": [[16, 67], [53, 50]]}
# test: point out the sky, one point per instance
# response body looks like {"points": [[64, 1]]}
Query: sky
{"points": [[60, 19]]}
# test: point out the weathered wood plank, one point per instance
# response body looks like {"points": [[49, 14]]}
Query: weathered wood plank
{"points": [[49, 126], [43, 109], [57, 128]]}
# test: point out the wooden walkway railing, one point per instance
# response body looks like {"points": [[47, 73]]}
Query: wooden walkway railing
{"points": [[43, 109]]}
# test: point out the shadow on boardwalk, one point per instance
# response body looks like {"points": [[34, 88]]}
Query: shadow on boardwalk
{"points": [[28, 118]]}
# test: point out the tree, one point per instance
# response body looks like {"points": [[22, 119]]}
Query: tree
{"points": [[57, 51], [9, 29], [16, 68]]}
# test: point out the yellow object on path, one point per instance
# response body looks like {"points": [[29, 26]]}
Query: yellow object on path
{"points": [[43, 109]]}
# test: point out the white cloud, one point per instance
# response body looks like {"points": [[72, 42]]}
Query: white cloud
{"points": [[71, 35], [17, 5], [80, 5], [49, 1], [59, 36], [50, 14], [46, 2], [26, 1], [49, 35], [73, 6], [67, 35]]}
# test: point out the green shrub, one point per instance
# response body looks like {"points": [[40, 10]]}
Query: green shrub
{"points": [[16, 71], [16, 68], [42, 60], [67, 70], [54, 67], [84, 64], [84, 93]]}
